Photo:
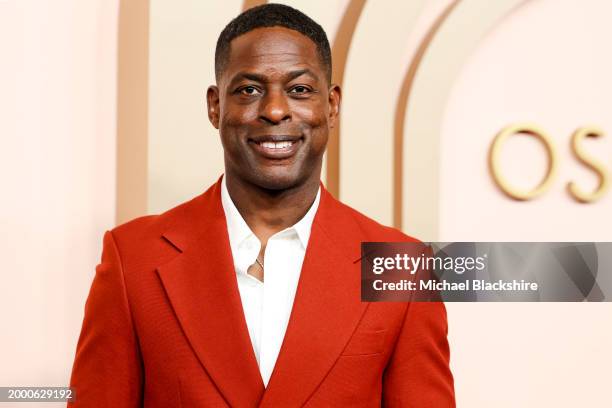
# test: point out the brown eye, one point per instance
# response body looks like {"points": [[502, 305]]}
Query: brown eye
{"points": [[300, 90], [249, 91]]}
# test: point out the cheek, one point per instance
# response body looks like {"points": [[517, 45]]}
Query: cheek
{"points": [[232, 131], [313, 116], [235, 116]]}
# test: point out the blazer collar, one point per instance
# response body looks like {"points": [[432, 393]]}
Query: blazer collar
{"points": [[202, 287]]}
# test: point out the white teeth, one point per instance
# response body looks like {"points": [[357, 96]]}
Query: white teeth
{"points": [[276, 145]]}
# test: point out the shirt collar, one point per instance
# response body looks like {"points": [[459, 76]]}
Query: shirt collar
{"points": [[238, 230]]}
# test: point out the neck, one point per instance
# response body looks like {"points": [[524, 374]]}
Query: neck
{"points": [[267, 212]]}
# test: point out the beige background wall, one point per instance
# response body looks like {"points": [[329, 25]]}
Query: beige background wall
{"points": [[57, 172], [488, 64], [545, 62]]}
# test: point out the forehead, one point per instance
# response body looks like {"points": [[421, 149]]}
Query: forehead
{"points": [[272, 49]]}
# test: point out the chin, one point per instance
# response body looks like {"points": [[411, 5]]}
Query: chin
{"points": [[278, 180]]}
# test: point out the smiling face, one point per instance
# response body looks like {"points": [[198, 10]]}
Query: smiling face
{"points": [[274, 108]]}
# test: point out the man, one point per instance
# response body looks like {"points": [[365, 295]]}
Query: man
{"points": [[249, 294]]}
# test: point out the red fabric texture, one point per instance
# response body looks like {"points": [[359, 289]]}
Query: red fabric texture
{"points": [[164, 325]]}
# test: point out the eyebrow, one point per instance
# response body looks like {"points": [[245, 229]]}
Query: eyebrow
{"points": [[263, 79]]}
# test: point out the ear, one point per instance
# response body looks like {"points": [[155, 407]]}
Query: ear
{"points": [[335, 96], [212, 101]]}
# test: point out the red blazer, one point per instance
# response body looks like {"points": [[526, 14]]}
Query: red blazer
{"points": [[164, 325]]}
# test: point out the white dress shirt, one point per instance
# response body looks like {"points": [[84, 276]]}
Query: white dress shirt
{"points": [[267, 305]]}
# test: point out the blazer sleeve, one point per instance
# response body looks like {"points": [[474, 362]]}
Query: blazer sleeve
{"points": [[107, 370], [418, 373]]}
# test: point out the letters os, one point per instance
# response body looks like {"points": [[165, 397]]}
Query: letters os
{"points": [[576, 145]]}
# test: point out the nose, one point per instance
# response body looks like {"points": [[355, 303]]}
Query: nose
{"points": [[275, 107]]}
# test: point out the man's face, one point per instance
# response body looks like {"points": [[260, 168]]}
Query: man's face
{"points": [[273, 107]]}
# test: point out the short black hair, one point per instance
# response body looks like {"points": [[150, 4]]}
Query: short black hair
{"points": [[272, 15]]}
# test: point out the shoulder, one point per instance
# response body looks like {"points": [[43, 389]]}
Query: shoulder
{"points": [[371, 230], [146, 231]]}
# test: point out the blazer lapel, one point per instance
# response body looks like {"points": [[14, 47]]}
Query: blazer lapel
{"points": [[203, 290], [326, 308]]}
